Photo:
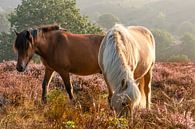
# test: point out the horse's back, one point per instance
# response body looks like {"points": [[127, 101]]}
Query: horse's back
{"points": [[145, 42], [142, 34]]}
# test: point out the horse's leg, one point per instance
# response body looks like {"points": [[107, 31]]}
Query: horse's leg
{"points": [[45, 83], [147, 88], [141, 88], [66, 78]]}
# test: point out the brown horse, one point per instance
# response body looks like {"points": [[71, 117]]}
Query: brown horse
{"points": [[60, 51], [126, 58]]}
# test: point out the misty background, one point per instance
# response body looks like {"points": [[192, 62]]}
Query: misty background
{"points": [[172, 21]]}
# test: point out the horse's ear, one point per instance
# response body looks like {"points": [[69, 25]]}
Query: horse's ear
{"points": [[29, 37], [16, 32], [27, 34]]}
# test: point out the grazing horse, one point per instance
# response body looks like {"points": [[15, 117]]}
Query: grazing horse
{"points": [[126, 58], [60, 51]]}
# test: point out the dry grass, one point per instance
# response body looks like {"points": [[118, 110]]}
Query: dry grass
{"points": [[173, 101]]}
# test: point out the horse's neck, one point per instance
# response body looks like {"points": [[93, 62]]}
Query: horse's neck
{"points": [[41, 46]]}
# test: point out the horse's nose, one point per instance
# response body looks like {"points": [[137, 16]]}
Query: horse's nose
{"points": [[20, 68]]}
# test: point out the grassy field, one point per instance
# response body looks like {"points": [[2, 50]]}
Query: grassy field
{"points": [[173, 101]]}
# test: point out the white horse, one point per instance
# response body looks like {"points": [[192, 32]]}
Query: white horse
{"points": [[126, 58]]}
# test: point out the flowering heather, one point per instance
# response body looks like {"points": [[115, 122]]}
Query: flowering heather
{"points": [[173, 100]]}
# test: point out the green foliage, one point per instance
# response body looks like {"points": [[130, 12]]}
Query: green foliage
{"points": [[107, 20], [4, 24], [56, 105], [119, 123], [178, 58], [188, 39], [188, 45], [6, 50], [70, 124], [151, 13], [31, 13], [35, 12], [163, 40]]}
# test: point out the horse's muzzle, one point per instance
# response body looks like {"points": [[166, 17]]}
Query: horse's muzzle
{"points": [[20, 68]]}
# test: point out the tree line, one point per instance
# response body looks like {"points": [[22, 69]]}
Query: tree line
{"points": [[177, 45], [34, 13]]}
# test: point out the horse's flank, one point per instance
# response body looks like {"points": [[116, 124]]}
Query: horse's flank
{"points": [[77, 52]]}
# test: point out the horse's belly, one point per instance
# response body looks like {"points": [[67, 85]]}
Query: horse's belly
{"points": [[85, 70]]}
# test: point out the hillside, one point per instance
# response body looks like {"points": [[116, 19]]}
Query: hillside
{"points": [[130, 12], [173, 100], [93, 8], [175, 12], [170, 13]]}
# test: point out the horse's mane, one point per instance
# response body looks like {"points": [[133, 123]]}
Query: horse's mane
{"points": [[22, 43], [118, 38], [120, 49], [47, 28]]}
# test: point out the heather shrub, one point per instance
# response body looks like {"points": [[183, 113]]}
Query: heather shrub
{"points": [[172, 107]]}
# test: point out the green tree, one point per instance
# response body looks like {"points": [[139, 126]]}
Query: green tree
{"points": [[35, 12], [163, 40], [107, 20], [31, 13], [4, 23], [188, 45], [6, 50]]}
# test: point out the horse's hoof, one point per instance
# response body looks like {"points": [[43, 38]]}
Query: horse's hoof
{"points": [[73, 102], [44, 101]]}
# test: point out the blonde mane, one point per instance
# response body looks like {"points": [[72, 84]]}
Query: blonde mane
{"points": [[126, 58], [121, 50]]}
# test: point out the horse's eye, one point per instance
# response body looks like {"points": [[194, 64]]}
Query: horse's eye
{"points": [[124, 104]]}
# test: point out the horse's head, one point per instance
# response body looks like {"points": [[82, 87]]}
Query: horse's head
{"points": [[120, 101], [24, 46]]}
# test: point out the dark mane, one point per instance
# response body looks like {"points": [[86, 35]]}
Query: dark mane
{"points": [[48, 28], [52, 27], [23, 38]]}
